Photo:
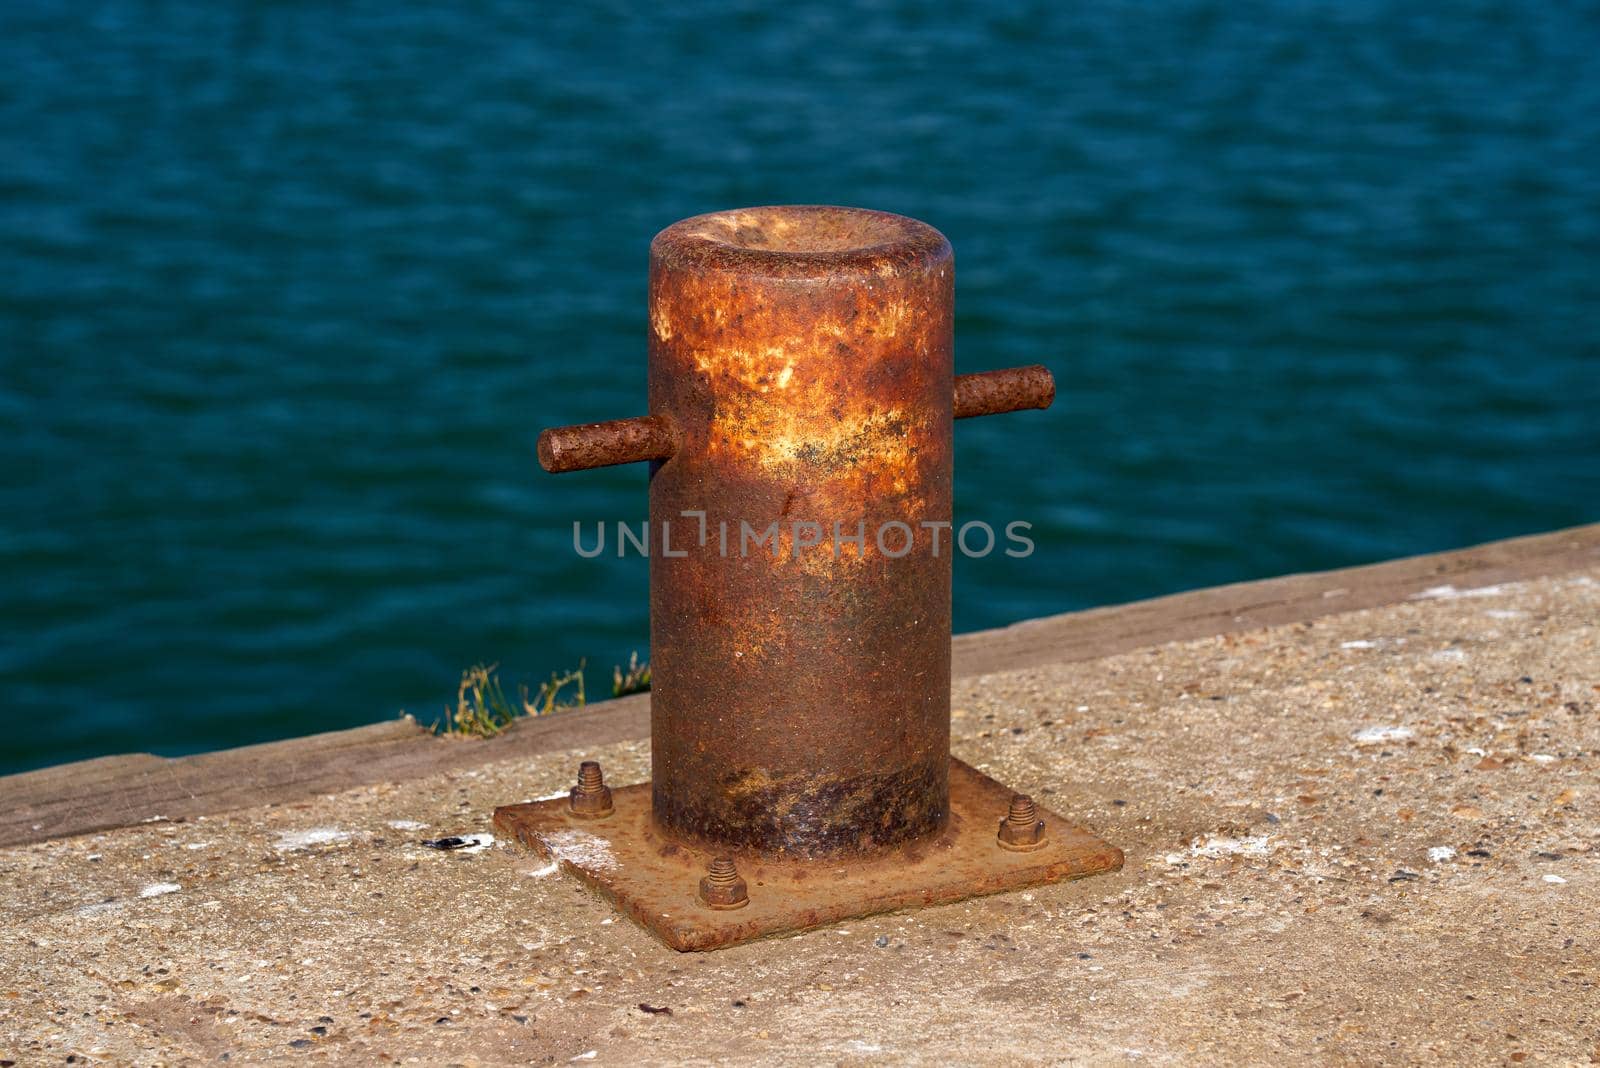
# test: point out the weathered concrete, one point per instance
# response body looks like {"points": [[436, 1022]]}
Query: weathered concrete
{"points": [[1370, 838]]}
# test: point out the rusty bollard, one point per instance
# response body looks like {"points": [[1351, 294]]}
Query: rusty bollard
{"points": [[800, 371], [800, 440]]}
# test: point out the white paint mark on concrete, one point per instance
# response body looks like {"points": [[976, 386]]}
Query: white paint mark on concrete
{"points": [[540, 873], [1449, 656], [197, 845], [1554, 879], [1448, 592], [314, 836], [158, 889], [1254, 845], [102, 908], [1359, 643], [1504, 613], [1440, 854], [1543, 758], [407, 825], [586, 1055], [1380, 735]]}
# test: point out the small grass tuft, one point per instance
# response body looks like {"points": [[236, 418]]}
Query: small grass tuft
{"points": [[483, 711], [549, 698], [635, 680]]}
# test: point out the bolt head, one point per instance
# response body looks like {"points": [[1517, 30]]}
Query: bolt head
{"points": [[590, 805], [724, 895], [1023, 839]]}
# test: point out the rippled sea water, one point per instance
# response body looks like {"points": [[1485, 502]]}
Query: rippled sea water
{"points": [[287, 290]]}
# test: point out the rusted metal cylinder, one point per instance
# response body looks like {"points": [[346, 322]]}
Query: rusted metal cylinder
{"points": [[800, 702]]}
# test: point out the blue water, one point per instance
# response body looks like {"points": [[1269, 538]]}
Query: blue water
{"points": [[288, 289]]}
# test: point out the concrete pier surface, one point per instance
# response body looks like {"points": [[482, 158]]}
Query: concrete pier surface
{"points": [[1360, 811]]}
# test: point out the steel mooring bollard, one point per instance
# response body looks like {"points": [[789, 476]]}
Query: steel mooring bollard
{"points": [[801, 399]]}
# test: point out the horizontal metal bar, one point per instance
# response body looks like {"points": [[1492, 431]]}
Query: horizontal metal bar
{"points": [[651, 437], [1011, 390], [617, 441]]}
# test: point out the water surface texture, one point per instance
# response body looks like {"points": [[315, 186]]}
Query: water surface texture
{"points": [[288, 289]]}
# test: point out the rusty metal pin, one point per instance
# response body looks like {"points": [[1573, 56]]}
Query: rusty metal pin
{"points": [[591, 797], [996, 392], [722, 887], [1022, 831], [619, 441]]}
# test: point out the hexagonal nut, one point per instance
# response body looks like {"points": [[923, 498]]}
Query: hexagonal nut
{"points": [[724, 895], [1023, 839], [590, 805]]}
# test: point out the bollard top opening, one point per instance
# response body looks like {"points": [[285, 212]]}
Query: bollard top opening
{"points": [[798, 239]]}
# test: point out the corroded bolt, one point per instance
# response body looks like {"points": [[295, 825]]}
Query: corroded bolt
{"points": [[591, 798], [1022, 830], [722, 887]]}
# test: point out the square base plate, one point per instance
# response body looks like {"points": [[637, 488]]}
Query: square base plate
{"points": [[655, 880]]}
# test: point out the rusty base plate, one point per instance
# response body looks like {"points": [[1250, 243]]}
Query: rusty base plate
{"points": [[655, 880]]}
